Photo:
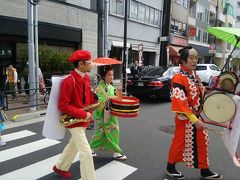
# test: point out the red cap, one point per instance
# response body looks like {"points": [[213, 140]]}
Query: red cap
{"points": [[80, 55]]}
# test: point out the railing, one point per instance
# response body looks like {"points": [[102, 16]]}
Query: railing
{"points": [[23, 98]]}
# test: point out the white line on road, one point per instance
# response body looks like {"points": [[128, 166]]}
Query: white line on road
{"points": [[10, 124], [26, 148], [17, 135], [114, 171], [111, 171], [34, 171]]}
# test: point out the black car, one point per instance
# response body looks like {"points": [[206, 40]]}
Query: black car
{"points": [[154, 82]]}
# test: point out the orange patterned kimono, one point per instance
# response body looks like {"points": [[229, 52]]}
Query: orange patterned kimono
{"points": [[189, 144]]}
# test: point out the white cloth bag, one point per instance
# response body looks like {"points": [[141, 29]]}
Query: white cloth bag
{"points": [[52, 127]]}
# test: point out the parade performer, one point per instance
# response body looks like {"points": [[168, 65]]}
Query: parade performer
{"points": [[106, 136], [190, 141], [75, 94]]}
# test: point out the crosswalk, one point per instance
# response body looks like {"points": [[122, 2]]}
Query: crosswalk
{"points": [[37, 170]]}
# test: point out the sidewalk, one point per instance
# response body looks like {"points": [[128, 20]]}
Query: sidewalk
{"points": [[18, 110]]}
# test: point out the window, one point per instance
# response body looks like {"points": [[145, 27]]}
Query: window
{"points": [[117, 7], [178, 28], [183, 3], [156, 18], [141, 14], [151, 15], [202, 13], [147, 15], [205, 37], [144, 13], [201, 68], [134, 10]]}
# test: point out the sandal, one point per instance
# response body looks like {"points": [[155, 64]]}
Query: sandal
{"points": [[120, 157], [177, 175], [214, 176]]}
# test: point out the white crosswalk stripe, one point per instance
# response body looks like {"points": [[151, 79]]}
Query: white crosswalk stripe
{"points": [[17, 135], [26, 148], [34, 171], [115, 171], [112, 171]]}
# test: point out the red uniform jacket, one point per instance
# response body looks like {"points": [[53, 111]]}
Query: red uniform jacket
{"points": [[75, 94]]}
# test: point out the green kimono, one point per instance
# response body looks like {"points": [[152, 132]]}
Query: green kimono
{"points": [[106, 135]]}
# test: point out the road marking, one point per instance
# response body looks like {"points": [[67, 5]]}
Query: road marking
{"points": [[17, 135], [114, 171], [34, 171], [10, 124], [26, 148]]}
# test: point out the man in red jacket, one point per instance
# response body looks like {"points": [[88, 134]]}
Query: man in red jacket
{"points": [[75, 94]]}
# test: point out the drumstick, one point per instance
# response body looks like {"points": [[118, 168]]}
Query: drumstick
{"points": [[215, 131]]}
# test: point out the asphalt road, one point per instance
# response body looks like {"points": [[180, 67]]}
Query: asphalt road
{"points": [[145, 141]]}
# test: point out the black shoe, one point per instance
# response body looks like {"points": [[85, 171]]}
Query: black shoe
{"points": [[207, 174], [175, 175]]}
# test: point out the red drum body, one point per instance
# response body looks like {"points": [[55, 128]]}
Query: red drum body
{"points": [[127, 107]]}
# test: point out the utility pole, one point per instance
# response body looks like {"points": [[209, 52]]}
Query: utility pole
{"points": [[125, 46], [31, 57], [165, 32], [35, 8], [33, 63], [106, 28], [101, 21]]}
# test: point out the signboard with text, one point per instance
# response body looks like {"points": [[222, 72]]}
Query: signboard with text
{"points": [[6, 52]]}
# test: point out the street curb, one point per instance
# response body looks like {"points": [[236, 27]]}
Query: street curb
{"points": [[27, 116]]}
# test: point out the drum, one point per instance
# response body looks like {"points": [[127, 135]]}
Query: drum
{"points": [[226, 81], [219, 107], [127, 107]]}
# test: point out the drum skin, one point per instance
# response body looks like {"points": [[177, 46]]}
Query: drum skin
{"points": [[219, 107], [127, 107]]}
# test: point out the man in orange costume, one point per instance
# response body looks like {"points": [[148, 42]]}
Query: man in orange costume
{"points": [[190, 141], [75, 94]]}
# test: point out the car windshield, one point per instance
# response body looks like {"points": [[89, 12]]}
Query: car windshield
{"points": [[153, 71], [171, 71], [201, 68]]}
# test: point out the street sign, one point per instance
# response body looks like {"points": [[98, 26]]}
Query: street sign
{"points": [[212, 48], [163, 38]]}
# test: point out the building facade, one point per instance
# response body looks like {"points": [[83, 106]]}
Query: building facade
{"points": [[61, 26], [144, 20], [178, 37]]}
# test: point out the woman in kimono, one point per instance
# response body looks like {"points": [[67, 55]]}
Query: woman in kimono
{"points": [[190, 141], [106, 135]]}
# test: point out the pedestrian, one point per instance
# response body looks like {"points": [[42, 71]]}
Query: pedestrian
{"points": [[106, 135], [135, 70], [190, 141], [42, 87], [12, 79], [75, 94]]}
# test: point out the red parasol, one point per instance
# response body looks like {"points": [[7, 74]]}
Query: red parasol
{"points": [[101, 61]]}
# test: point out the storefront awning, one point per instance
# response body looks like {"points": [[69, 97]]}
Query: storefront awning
{"points": [[173, 50]]}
